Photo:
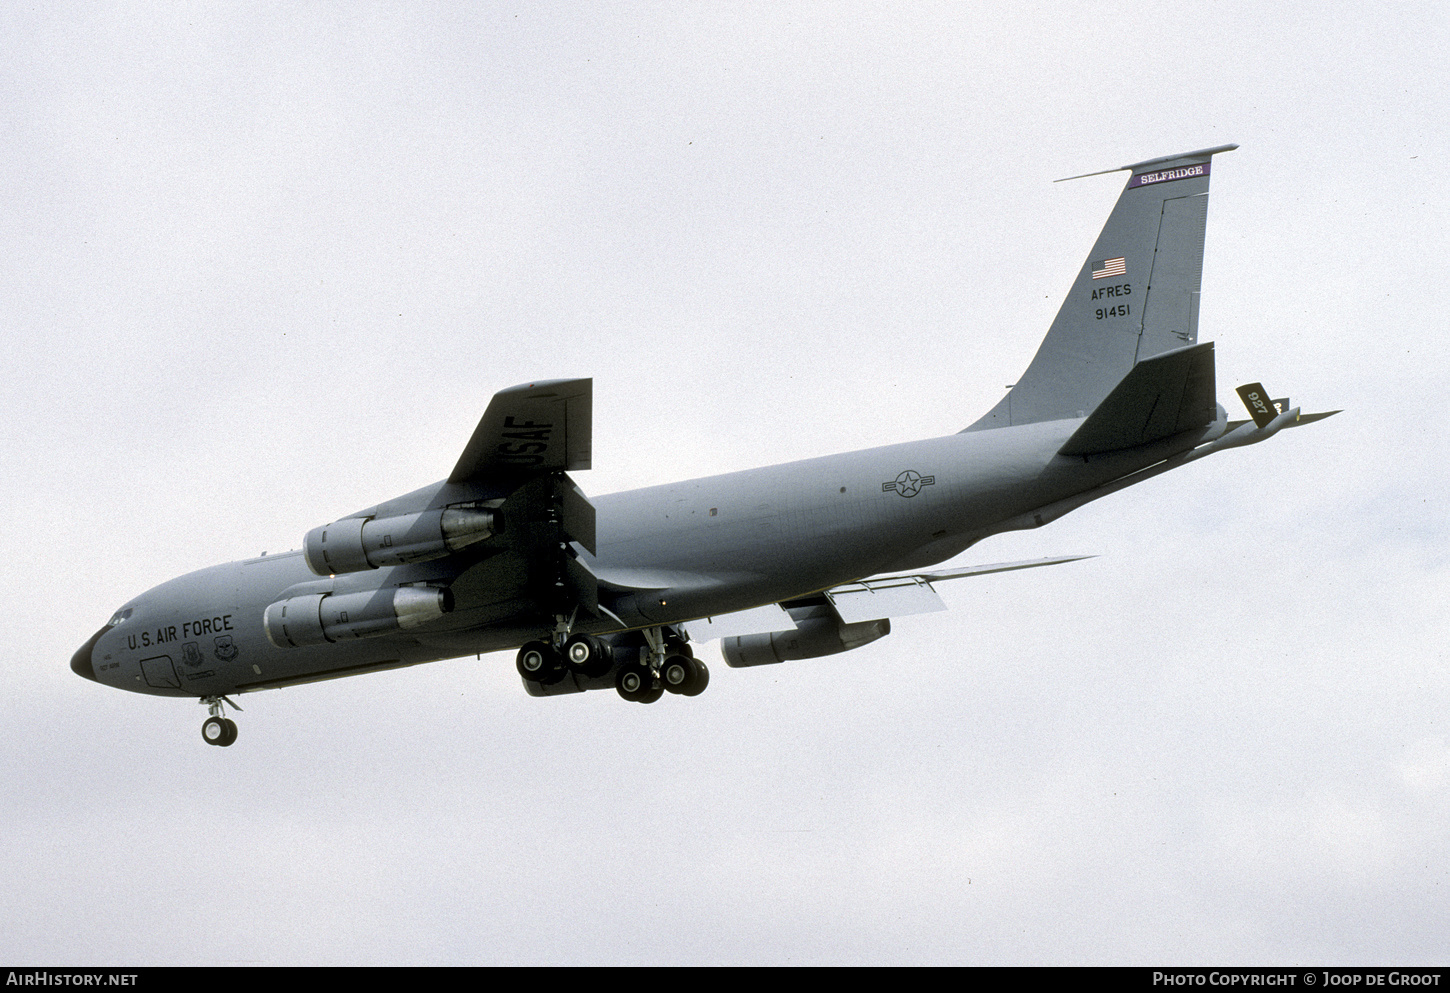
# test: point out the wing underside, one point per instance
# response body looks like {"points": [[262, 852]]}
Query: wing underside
{"points": [[871, 599]]}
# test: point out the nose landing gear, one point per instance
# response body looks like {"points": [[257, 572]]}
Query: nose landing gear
{"points": [[218, 729]]}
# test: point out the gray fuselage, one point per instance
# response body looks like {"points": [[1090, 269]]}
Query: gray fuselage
{"points": [[666, 554]]}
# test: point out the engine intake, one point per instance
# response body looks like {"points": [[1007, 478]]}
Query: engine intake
{"points": [[319, 618], [355, 543]]}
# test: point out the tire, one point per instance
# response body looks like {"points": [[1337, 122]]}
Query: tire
{"points": [[634, 682], [702, 680], [587, 655], [214, 731], [679, 673], [539, 662]]}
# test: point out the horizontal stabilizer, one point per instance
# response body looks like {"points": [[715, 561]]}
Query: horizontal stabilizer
{"points": [[983, 570], [1158, 398], [876, 598]]}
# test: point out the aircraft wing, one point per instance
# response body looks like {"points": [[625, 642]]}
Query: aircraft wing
{"points": [[874, 598], [899, 596], [529, 438], [531, 429], [501, 541]]}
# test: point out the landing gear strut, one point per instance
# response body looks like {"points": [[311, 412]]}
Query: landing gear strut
{"points": [[218, 729]]}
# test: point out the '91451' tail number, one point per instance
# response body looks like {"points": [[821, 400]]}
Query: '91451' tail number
{"points": [[1120, 310]]}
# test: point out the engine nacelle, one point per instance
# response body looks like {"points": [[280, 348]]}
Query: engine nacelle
{"points": [[319, 618], [355, 543], [812, 638]]}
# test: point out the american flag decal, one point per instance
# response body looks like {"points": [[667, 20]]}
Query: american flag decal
{"points": [[1109, 268]]}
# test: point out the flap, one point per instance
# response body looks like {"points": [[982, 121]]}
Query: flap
{"points": [[576, 513], [757, 620], [900, 596], [872, 600]]}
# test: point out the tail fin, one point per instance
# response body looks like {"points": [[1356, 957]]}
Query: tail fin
{"points": [[1136, 296]]}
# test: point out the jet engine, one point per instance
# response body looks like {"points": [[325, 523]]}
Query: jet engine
{"points": [[319, 618], [355, 543], [813, 637]]}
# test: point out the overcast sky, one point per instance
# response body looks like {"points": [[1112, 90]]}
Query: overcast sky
{"points": [[266, 264]]}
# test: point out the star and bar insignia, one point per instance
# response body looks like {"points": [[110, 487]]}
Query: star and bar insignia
{"points": [[908, 484]]}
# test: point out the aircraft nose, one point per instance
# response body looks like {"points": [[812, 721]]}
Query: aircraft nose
{"points": [[80, 662]]}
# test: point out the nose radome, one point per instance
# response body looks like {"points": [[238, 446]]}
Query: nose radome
{"points": [[80, 662]]}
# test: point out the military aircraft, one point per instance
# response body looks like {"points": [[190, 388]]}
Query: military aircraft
{"points": [[788, 562]]}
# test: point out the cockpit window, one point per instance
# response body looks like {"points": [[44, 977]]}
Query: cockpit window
{"points": [[118, 617]]}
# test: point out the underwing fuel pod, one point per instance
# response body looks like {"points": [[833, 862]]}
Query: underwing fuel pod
{"points": [[615, 592]]}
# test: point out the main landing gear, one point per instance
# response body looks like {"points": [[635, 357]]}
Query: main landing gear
{"points": [[217, 729], [642, 673], [666, 663], [583, 654]]}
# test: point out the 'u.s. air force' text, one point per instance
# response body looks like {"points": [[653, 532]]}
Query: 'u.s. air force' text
{"points": [[190, 629]]}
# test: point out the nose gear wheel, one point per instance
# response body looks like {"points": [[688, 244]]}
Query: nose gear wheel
{"points": [[218, 729]]}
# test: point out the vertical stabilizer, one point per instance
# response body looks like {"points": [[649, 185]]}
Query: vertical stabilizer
{"points": [[1136, 295]]}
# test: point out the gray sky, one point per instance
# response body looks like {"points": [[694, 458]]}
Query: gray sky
{"points": [[267, 263]]}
